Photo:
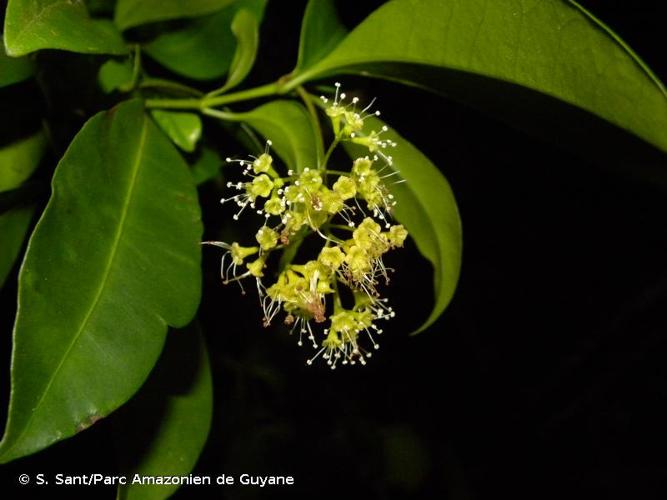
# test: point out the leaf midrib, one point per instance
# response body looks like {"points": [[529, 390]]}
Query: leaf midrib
{"points": [[105, 277]]}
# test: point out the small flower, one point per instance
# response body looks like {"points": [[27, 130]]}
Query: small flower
{"points": [[331, 202], [343, 341], [397, 235], [363, 265], [274, 206], [262, 185], [346, 120], [331, 257], [371, 187], [345, 187], [262, 164], [255, 267], [373, 141], [369, 236], [267, 238], [309, 180]]}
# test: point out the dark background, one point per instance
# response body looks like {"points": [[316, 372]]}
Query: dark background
{"points": [[546, 376]]}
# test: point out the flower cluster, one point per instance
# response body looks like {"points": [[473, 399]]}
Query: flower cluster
{"points": [[350, 212]]}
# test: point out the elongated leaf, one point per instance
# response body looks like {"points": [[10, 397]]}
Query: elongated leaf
{"points": [[481, 52], [20, 159], [246, 30], [165, 427], [287, 125], [321, 32], [14, 69], [204, 49], [131, 13], [184, 129], [426, 206], [58, 24], [113, 260], [14, 225]]}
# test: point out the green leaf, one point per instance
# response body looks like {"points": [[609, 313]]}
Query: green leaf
{"points": [[184, 129], [14, 226], [14, 69], [131, 13], [165, 427], [206, 167], [426, 206], [287, 125], [204, 49], [115, 75], [58, 24], [482, 52], [19, 160], [321, 32], [113, 260], [246, 30]]}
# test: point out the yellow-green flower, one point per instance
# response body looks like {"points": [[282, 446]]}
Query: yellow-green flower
{"points": [[331, 257], [267, 238], [262, 165], [345, 187], [262, 185]]}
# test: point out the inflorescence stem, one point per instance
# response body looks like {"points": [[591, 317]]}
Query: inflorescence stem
{"points": [[209, 101]]}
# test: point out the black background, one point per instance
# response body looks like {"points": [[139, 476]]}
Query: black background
{"points": [[546, 376]]}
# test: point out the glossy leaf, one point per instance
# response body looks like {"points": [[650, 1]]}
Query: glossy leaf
{"points": [[14, 226], [482, 52], [131, 13], [426, 206], [184, 129], [19, 160], [321, 32], [287, 125], [165, 427], [58, 24], [14, 69], [204, 49], [246, 30], [115, 75], [113, 260]]}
